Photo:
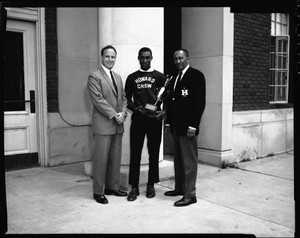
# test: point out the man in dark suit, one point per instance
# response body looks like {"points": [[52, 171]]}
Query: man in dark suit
{"points": [[108, 97], [185, 107]]}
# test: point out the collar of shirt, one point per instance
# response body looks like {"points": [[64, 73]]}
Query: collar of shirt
{"points": [[184, 70], [182, 73], [149, 70], [107, 71]]}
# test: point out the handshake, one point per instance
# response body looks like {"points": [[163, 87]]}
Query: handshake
{"points": [[120, 117]]}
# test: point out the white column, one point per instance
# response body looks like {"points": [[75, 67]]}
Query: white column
{"points": [[207, 33], [128, 30]]}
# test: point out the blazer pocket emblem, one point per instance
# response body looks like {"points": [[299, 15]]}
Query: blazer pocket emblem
{"points": [[184, 92]]}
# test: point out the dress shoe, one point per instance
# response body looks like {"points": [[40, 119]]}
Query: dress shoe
{"points": [[185, 202], [173, 193], [117, 193], [133, 194], [150, 193], [100, 199]]}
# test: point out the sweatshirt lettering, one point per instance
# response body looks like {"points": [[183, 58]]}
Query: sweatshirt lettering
{"points": [[144, 79], [146, 85]]}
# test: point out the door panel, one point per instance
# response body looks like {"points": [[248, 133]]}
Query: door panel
{"points": [[20, 130], [16, 140]]}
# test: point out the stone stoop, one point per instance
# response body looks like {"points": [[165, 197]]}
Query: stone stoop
{"points": [[166, 171]]}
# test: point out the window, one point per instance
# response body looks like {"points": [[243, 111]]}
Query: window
{"points": [[279, 75], [14, 93]]}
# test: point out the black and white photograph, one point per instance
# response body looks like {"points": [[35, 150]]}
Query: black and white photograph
{"points": [[149, 119]]}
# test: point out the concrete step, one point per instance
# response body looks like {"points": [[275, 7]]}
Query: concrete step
{"points": [[166, 171]]}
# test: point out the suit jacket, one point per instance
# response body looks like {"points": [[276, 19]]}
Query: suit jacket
{"points": [[186, 105], [106, 101]]}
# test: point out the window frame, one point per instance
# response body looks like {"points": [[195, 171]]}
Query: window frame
{"points": [[276, 83], [278, 69]]}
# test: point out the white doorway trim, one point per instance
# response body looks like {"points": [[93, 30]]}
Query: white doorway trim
{"points": [[37, 15]]}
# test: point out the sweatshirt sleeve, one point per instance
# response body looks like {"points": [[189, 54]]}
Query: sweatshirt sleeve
{"points": [[129, 94]]}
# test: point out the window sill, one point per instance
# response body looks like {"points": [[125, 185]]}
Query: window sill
{"points": [[281, 105]]}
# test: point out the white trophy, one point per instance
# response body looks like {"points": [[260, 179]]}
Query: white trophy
{"points": [[153, 108]]}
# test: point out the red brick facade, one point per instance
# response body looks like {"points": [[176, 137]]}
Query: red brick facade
{"points": [[251, 61], [51, 59]]}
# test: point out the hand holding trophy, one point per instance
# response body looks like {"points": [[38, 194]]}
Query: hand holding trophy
{"points": [[153, 108]]}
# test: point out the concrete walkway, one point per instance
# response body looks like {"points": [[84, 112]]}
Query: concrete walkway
{"points": [[256, 198]]}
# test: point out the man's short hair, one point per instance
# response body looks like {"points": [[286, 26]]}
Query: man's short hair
{"points": [[185, 52], [145, 49], [106, 48]]}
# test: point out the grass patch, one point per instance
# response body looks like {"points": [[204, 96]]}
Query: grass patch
{"points": [[234, 164], [226, 164]]}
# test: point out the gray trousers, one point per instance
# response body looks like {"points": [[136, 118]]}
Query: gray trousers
{"points": [[106, 162], [185, 164]]}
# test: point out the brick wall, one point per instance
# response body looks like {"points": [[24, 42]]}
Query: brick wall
{"points": [[51, 59], [251, 61]]}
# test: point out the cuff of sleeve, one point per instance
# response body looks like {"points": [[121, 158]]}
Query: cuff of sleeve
{"points": [[192, 128], [113, 116]]}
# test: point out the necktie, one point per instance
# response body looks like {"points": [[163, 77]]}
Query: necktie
{"points": [[178, 80], [114, 81]]}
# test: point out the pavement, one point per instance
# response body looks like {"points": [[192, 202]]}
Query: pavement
{"points": [[255, 198]]}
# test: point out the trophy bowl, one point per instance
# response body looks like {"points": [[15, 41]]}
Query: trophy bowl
{"points": [[153, 108]]}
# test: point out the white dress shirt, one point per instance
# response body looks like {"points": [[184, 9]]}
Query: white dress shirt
{"points": [[107, 71], [182, 73]]}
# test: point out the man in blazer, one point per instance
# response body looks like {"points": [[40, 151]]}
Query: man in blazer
{"points": [[109, 104], [185, 107]]}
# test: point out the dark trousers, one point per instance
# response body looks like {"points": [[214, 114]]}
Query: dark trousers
{"points": [[141, 126], [185, 164], [106, 162]]}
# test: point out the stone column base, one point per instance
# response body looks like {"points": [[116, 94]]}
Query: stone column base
{"points": [[214, 158]]}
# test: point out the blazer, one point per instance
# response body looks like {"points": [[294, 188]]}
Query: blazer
{"points": [[106, 102], [186, 105]]}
